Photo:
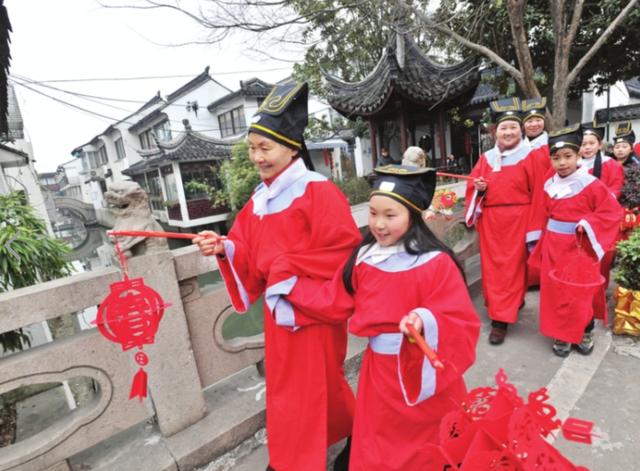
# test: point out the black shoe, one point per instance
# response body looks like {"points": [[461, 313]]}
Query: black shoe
{"points": [[342, 460], [586, 346], [269, 468], [497, 335], [561, 349]]}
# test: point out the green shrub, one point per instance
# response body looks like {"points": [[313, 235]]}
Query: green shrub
{"points": [[355, 189], [627, 270], [28, 255]]}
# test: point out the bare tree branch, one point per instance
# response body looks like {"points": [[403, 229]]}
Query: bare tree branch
{"points": [[480, 49]]}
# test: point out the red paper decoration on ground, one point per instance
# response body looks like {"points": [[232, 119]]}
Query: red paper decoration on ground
{"points": [[494, 429], [130, 315]]}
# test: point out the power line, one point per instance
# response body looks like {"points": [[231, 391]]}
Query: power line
{"points": [[156, 77], [100, 115]]}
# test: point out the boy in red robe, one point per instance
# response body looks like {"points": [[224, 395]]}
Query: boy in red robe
{"points": [[298, 221], [508, 181], [578, 208]]}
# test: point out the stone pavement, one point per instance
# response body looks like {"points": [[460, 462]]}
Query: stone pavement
{"points": [[602, 387]]}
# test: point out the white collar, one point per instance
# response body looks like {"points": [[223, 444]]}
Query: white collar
{"points": [[265, 193], [499, 155], [539, 140], [560, 187], [375, 253]]}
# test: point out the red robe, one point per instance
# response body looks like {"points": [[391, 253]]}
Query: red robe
{"points": [[302, 222], [577, 200], [401, 398], [612, 175], [503, 216], [542, 143]]}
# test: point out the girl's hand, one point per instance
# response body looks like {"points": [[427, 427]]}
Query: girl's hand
{"points": [[411, 318], [209, 243], [480, 184]]}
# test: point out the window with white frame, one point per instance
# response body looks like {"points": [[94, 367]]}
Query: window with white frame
{"points": [[162, 130], [120, 153], [232, 122]]}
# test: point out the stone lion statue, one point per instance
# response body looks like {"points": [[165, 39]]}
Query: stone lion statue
{"points": [[129, 204]]}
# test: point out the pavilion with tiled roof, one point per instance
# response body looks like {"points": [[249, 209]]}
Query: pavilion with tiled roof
{"points": [[405, 90], [190, 157]]}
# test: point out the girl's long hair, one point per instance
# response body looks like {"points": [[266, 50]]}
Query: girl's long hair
{"points": [[417, 240]]}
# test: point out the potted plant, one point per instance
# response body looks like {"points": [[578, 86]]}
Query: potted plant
{"points": [[627, 295]]}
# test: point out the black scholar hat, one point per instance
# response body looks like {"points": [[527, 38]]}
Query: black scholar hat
{"points": [[570, 137], [283, 115], [507, 109], [411, 186], [593, 129], [533, 108], [624, 133]]}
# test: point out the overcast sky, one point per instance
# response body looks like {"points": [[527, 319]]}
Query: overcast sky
{"points": [[79, 39]]}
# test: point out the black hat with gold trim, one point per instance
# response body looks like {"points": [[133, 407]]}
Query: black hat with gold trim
{"points": [[411, 186], [506, 109], [569, 137], [533, 108], [593, 129], [283, 116], [624, 133]]}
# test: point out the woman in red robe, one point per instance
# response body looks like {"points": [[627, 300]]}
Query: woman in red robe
{"points": [[578, 207], [508, 181], [300, 219]]}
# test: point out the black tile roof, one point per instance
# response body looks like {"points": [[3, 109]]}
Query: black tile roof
{"points": [[188, 147], [619, 113], [5, 61], [253, 87], [157, 115], [193, 83], [405, 69]]}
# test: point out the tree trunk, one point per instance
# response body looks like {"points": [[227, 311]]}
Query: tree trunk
{"points": [[560, 101]]}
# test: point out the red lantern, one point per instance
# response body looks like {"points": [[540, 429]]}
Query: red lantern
{"points": [[130, 315]]}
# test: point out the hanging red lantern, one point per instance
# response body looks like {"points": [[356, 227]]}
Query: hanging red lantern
{"points": [[130, 315]]}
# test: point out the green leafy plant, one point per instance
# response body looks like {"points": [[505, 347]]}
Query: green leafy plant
{"points": [[239, 179], [627, 270], [28, 255], [355, 189], [195, 188]]}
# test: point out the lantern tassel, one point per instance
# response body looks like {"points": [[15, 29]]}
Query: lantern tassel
{"points": [[139, 385]]}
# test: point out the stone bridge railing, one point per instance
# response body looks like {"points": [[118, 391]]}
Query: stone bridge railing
{"points": [[189, 355], [85, 211]]}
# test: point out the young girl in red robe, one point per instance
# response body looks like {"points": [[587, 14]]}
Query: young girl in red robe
{"points": [[611, 173], [577, 207], [400, 274], [298, 221]]}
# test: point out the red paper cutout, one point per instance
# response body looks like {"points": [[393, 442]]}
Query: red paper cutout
{"points": [[577, 430], [494, 429], [130, 315]]}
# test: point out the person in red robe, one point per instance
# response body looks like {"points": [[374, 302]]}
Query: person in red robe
{"points": [[533, 123], [300, 220], [623, 145], [609, 172], [579, 210], [507, 186], [400, 273]]}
